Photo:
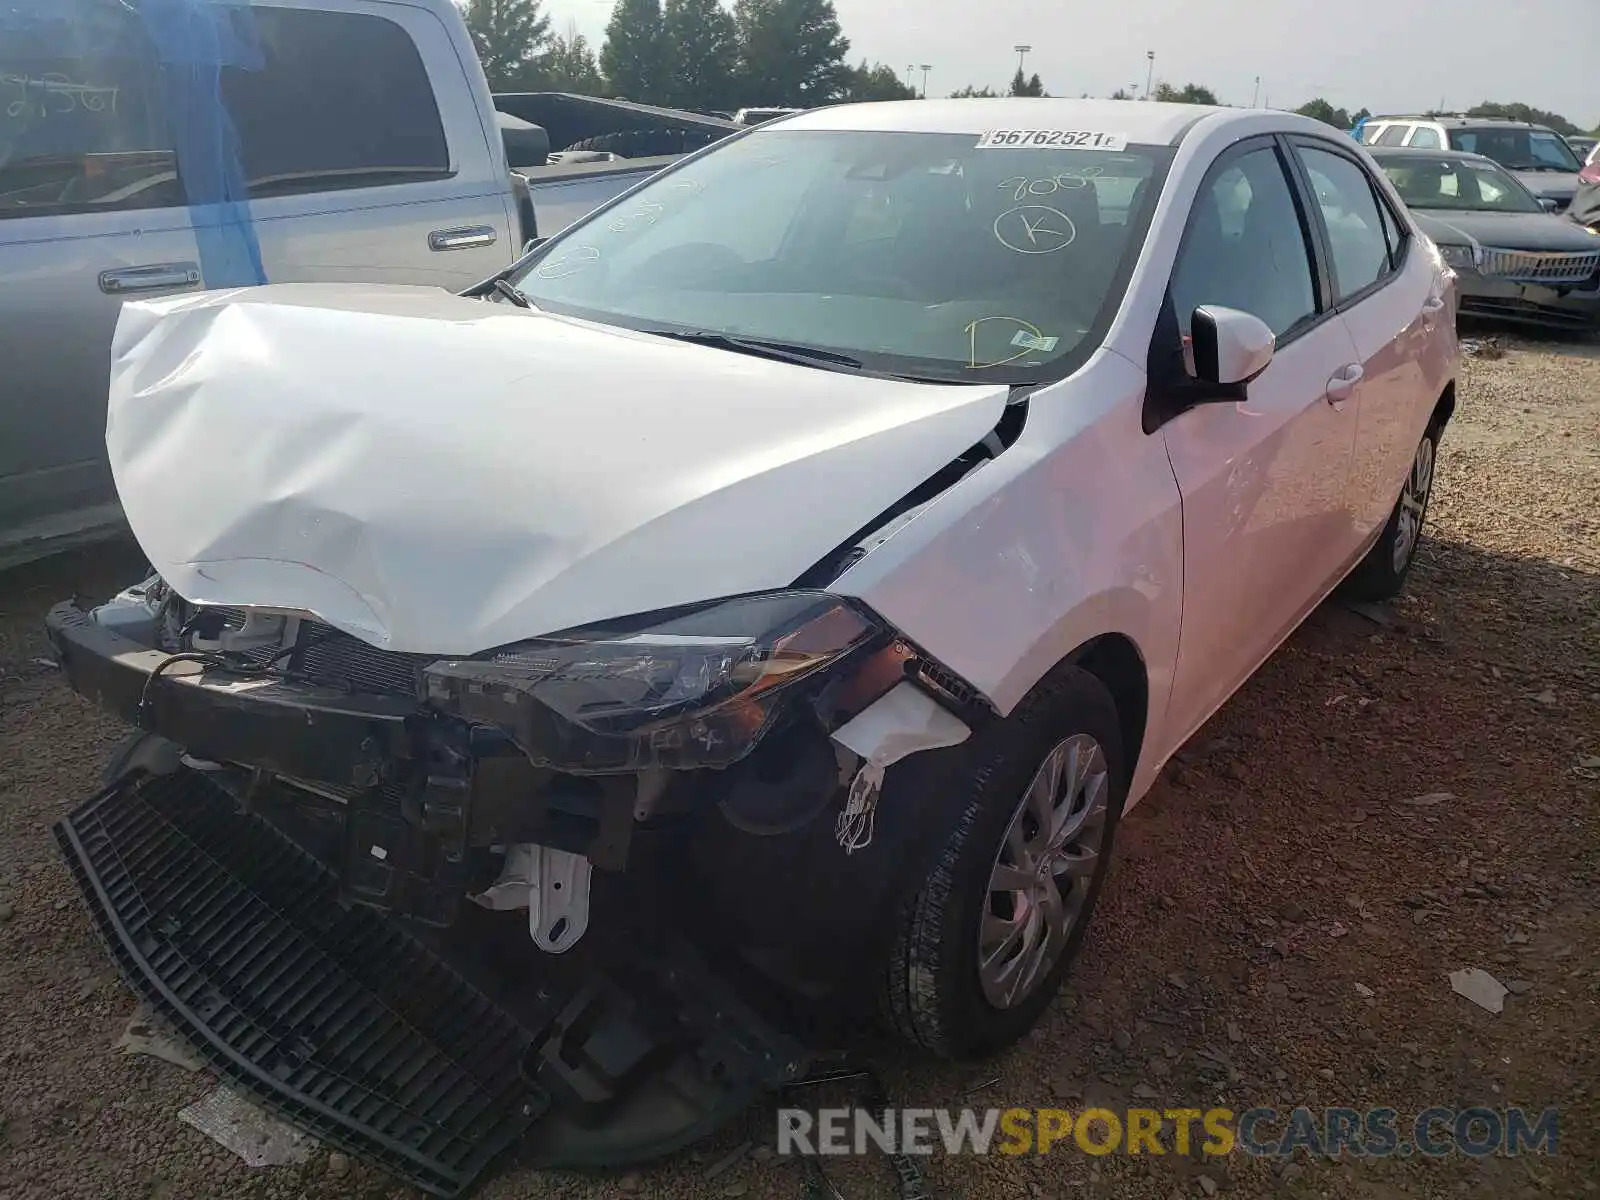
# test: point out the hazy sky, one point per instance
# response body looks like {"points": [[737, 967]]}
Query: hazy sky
{"points": [[1390, 55]]}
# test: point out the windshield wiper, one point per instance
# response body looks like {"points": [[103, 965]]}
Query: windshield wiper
{"points": [[507, 289], [783, 351]]}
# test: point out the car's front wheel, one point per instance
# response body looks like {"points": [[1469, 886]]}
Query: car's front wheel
{"points": [[986, 941], [1382, 574]]}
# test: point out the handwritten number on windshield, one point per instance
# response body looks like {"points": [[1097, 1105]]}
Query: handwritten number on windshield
{"points": [[33, 91], [1021, 186]]}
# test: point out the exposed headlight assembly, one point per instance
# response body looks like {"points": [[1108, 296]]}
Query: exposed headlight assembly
{"points": [[695, 689], [1459, 258]]}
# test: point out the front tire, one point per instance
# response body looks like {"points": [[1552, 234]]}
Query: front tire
{"points": [[1382, 574], [988, 938]]}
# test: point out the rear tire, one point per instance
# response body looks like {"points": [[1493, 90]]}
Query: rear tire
{"points": [[1382, 574], [937, 995]]}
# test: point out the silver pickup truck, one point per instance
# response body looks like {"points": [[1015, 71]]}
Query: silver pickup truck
{"points": [[158, 146]]}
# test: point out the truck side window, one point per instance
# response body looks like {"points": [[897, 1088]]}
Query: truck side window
{"points": [[83, 120], [340, 100]]}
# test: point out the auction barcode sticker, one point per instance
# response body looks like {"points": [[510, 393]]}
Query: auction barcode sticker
{"points": [[1052, 139]]}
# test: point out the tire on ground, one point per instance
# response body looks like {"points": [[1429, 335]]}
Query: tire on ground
{"points": [[931, 996]]}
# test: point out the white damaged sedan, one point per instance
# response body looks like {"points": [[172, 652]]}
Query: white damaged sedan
{"points": [[814, 552]]}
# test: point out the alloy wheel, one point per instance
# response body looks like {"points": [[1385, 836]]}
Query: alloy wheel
{"points": [[1413, 505], [1043, 871]]}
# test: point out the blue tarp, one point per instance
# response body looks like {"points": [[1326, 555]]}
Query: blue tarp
{"points": [[193, 40]]}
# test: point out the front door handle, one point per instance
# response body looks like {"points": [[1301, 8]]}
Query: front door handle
{"points": [[1343, 384], [470, 237], [149, 279]]}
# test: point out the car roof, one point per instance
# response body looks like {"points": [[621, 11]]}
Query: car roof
{"points": [[1382, 152], [1151, 123], [1460, 121]]}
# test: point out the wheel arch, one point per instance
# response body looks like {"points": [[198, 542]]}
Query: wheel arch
{"points": [[1115, 660], [1445, 408]]}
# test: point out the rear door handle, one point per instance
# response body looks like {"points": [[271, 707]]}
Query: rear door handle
{"points": [[149, 279], [470, 237], [1343, 384]]}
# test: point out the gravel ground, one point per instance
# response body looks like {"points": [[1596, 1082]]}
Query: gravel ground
{"points": [[1278, 927]]}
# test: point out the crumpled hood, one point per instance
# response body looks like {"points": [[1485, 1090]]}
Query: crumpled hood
{"points": [[440, 475]]}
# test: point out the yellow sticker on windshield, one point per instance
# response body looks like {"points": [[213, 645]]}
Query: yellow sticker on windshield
{"points": [[1052, 139]]}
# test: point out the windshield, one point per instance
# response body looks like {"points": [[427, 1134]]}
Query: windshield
{"points": [[1457, 184], [1518, 149], [913, 253]]}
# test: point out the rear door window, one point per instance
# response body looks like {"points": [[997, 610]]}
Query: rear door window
{"points": [[337, 100], [1393, 136], [83, 114], [1351, 216], [1425, 137]]}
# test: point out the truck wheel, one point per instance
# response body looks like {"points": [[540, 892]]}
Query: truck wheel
{"points": [[988, 938], [1382, 574], [141, 751]]}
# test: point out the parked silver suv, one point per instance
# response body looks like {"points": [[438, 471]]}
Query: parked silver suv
{"points": [[140, 155]]}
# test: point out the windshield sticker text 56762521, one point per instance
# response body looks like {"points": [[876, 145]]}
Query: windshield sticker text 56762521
{"points": [[1052, 139]]}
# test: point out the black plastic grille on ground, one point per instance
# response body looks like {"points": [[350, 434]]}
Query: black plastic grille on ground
{"points": [[335, 1017]]}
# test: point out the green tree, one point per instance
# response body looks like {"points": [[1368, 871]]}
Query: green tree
{"points": [[633, 58], [701, 50], [971, 93], [1523, 112], [1026, 87], [1122, 94], [510, 37], [1320, 110], [570, 65], [1189, 93], [877, 82], [791, 52]]}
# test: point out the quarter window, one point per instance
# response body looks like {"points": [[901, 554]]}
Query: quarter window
{"points": [[335, 100], [83, 117], [1246, 248], [1350, 215]]}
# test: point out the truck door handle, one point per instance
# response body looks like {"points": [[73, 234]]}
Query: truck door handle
{"points": [[1343, 384], [470, 237], [149, 279]]}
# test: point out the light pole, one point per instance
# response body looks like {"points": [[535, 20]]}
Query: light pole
{"points": [[1022, 52], [1150, 75], [1255, 100], [925, 69]]}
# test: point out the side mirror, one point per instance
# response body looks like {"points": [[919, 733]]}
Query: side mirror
{"points": [[1231, 349], [1549, 204], [532, 244]]}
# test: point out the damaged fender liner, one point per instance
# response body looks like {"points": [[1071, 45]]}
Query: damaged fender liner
{"points": [[336, 1017]]}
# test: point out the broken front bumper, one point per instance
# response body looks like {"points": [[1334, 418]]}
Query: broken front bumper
{"points": [[414, 1056], [416, 791]]}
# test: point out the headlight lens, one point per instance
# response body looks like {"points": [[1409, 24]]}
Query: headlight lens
{"points": [[1459, 258], [694, 690]]}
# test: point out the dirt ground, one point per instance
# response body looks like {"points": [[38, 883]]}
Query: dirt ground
{"points": [[1278, 928]]}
